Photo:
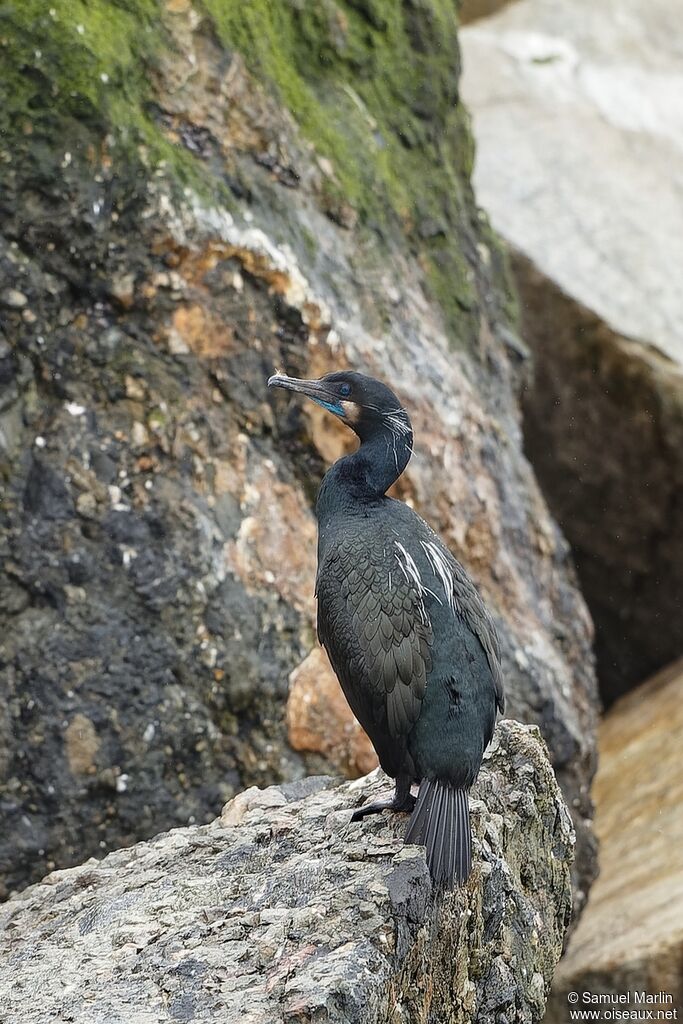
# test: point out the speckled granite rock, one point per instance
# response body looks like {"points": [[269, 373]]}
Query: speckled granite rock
{"points": [[190, 195], [285, 911]]}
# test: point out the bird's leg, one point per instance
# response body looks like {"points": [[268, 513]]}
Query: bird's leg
{"points": [[402, 800]]}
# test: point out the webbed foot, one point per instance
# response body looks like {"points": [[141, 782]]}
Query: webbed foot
{"points": [[402, 800]]}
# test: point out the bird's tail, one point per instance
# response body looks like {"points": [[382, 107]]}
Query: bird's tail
{"points": [[441, 822]]}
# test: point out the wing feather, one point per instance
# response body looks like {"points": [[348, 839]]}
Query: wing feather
{"points": [[467, 602], [373, 624]]}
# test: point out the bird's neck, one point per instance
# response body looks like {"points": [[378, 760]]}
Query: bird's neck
{"points": [[366, 474]]}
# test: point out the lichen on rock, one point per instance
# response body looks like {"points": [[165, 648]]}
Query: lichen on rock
{"points": [[287, 911]]}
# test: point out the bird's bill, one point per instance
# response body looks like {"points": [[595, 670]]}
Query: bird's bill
{"points": [[318, 390]]}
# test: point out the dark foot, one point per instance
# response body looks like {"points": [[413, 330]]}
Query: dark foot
{"points": [[403, 800]]}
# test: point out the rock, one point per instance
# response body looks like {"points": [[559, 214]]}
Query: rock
{"points": [[235, 810], [630, 938], [473, 10], [13, 299], [180, 239], [123, 289], [289, 912], [617, 500], [578, 116], [81, 744], [318, 718]]}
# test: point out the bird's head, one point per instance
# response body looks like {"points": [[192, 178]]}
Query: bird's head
{"points": [[363, 403]]}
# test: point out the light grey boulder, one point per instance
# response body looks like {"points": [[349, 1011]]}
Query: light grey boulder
{"points": [[578, 121]]}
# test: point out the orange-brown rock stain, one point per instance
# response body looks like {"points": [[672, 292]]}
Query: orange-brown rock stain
{"points": [[319, 719]]}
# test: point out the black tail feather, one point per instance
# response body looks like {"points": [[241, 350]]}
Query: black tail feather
{"points": [[441, 823]]}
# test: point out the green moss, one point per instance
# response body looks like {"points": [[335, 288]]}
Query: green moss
{"points": [[75, 71], [76, 59], [373, 85]]}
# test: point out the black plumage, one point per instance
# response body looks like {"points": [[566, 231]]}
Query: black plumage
{"points": [[409, 637]]}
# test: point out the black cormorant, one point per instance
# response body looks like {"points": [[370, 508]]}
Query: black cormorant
{"points": [[409, 637]]}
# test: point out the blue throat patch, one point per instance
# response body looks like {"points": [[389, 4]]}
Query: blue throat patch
{"points": [[330, 406]]}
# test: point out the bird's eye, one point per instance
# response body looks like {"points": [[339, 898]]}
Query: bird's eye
{"points": [[345, 390]]}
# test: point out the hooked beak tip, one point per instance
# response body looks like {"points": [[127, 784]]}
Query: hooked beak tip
{"points": [[281, 380], [317, 390]]}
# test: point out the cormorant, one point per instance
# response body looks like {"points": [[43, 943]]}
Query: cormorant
{"points": [[410, 639]]}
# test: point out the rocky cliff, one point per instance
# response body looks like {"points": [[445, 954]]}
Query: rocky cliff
{"points": [[194, 193], [286, 911]]}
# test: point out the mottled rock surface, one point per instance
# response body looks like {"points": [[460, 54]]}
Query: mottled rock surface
{"points": [[287, 911], [630, 938], [192, 194], [578, 117]]}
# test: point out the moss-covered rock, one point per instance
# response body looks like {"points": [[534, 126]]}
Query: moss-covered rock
{"points": [[372, 86]]}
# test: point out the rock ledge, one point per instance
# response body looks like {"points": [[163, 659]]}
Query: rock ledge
{"points": [[283, 910]]}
